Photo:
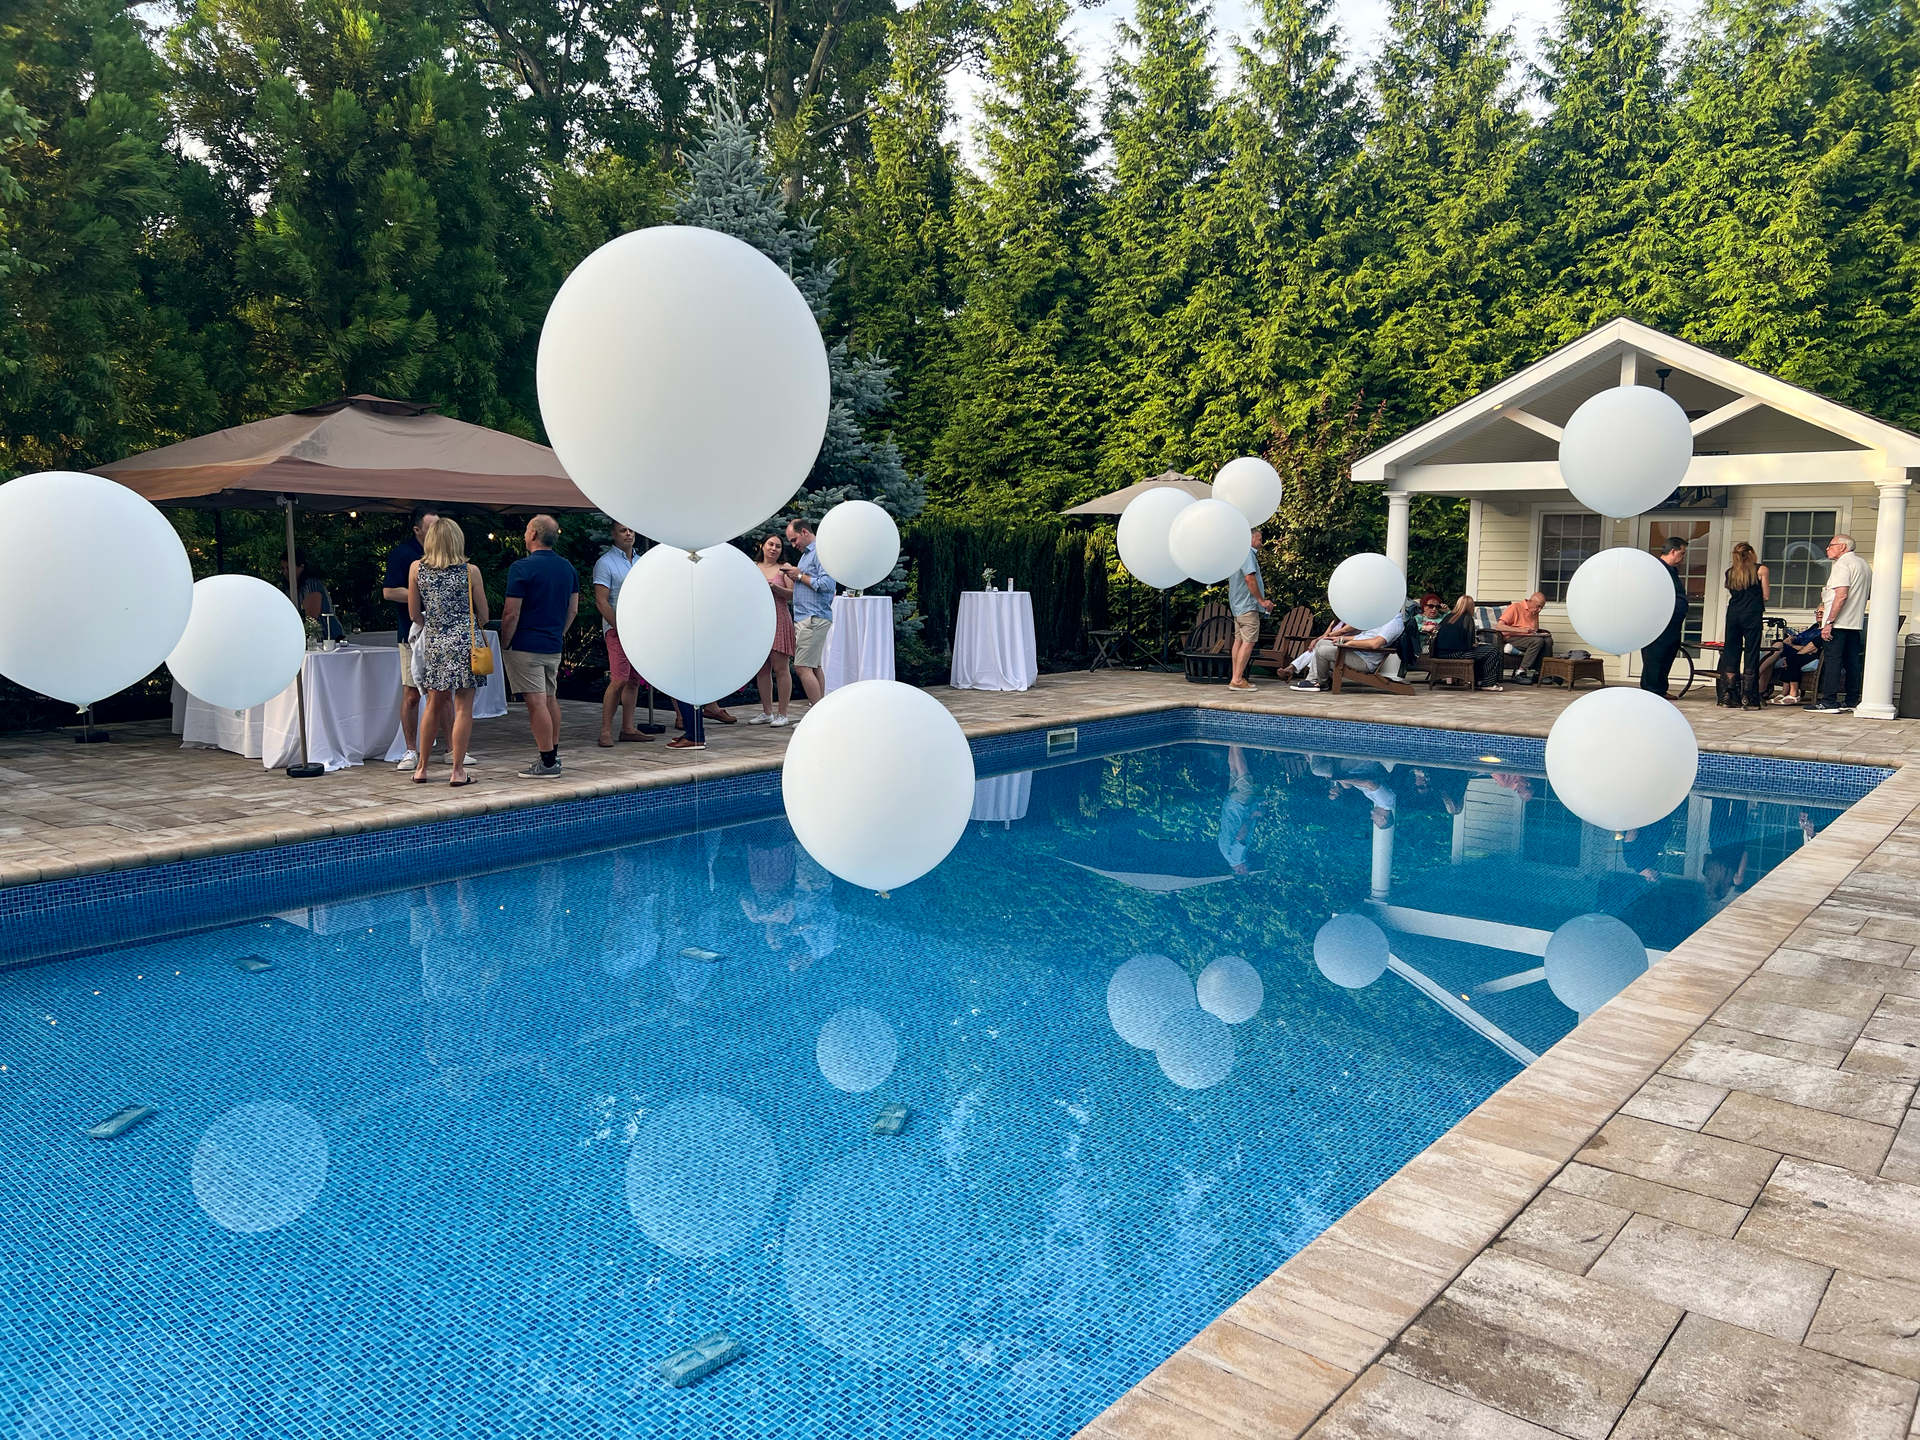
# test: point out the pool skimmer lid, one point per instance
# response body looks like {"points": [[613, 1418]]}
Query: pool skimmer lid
{"points": [[694, 952], [118, 1123], [700, 1359], [891, 1120]]}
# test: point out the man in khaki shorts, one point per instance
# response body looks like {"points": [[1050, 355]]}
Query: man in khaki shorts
{"points": [[812, 612], [1247, 598], [543, 595], [394, 590]]}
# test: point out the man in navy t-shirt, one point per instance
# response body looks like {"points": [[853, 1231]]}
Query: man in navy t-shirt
{"points": [[543, 594]]}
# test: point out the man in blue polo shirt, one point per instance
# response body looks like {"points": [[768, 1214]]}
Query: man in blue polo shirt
{"points": [[813, 592], [543, 595]]}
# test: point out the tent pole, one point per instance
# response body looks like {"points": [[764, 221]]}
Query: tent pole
{"points": [[305, 770]]}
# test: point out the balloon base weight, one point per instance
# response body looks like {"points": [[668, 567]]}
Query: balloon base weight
{"points": [[651, 729], [93, 737], [308, 771]]}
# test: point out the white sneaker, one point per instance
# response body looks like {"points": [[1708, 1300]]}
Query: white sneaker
{"points": [[408, 761], [761, 719], [778, 721]]}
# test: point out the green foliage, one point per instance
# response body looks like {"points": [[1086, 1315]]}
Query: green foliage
{"points": [[1064, 570]]}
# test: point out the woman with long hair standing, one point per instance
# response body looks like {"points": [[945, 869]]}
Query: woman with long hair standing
{"points": [[776, 670], [449, 604], [1747, 597]]}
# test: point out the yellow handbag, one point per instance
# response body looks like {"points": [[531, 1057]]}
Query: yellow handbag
{"points": [[480, 661]]}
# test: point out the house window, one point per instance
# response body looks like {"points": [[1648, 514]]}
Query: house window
{"points": [[1565, 541], [1793, 547]]}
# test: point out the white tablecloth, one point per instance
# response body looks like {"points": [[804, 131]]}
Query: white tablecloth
{"points": [[993, 644], [860, 645], [353, 711], [1003, 797]]}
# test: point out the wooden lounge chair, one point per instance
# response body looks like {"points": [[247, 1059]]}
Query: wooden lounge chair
{"points": [[1387, 677], [1208, 655], [1292, 636]]}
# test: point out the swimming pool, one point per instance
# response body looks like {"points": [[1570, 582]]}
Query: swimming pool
{"points": [[470, 1158]]}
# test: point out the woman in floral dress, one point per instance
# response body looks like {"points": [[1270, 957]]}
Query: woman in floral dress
{"points": [[449, 604]]}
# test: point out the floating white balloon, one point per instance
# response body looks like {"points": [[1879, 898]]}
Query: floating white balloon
{"points": [[1209, 540], [1366, 591], [1351, 951], [81, 642], [260, 1166], [1625, 450], [1231, 989], [683, 383], [701, 1173], [696, 629], [1142, 994], [1591, 959], [857, 544], [857, 1050], [878, 782], [1143, 532], [1620, 599], [1251, 486], [1194, 1049], [1621, 758], [243, 644]]}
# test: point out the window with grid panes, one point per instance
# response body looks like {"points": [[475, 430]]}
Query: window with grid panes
{"points": [[1793, 547], [1565, 541]]}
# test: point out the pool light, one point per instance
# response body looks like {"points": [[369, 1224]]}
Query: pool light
{"points": [[1488, 759]]}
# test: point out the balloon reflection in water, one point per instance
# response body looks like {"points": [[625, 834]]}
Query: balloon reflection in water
{"points": [[700, 1175], [260, 1166], [1591, 959], [1142, 994], [1231, 989], [880, 1255], [134, 1382], [1195, 1049], [857, 1049], [1351, 951]]}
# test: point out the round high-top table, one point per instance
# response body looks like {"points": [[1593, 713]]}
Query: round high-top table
{"points": [[860, 645], [993, 641]]}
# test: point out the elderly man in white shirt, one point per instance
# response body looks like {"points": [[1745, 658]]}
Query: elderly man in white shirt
{"points": [[1843, 624], [1316, 665]]}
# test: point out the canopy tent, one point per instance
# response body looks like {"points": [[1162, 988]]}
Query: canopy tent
{"points": [[1115, 501], [362, 453]]}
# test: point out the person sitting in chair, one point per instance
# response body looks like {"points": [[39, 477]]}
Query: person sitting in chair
{"points": [[1798, 655], [1316, 666], [1519, 623], [1455, 639]]}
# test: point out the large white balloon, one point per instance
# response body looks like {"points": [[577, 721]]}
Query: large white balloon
{"points": [[1251, 486], [1591, 959], [1621, 758], [1231, 989], [1620, 599], [260, 1166], [1209, 540], [1625, 450], [857, 543], [243, 644], [1194, 1049], [701, 1173], [683, 383], [857, 1049], [878, 782], [1143, 532], [696, 629], [1142, 994], [1366, 591], [1351, 951], [82, 638]]}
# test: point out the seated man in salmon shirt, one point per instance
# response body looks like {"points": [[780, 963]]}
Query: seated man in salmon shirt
{"points": [[1519, 624]]}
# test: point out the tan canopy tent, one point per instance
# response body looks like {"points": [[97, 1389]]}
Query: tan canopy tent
{"points": [[362, 453], [1115, 501]]}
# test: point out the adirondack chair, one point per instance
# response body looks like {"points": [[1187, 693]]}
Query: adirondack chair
{"points": [[1208, 655], [1291, 637]]}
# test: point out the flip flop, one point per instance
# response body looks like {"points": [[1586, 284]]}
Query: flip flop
{"points": [[456, 784], [419, 779]]}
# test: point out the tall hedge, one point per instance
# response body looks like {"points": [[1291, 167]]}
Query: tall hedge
{"points": [[1065, 570]]}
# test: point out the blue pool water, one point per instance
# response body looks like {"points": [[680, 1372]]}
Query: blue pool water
{"points": [[471, 1157]]}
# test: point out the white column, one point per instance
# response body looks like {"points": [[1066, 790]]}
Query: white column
{"points": [[1381, 879], [1398, 502], [1883, 614]]}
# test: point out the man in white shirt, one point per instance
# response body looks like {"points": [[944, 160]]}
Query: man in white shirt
{"points": [[1316, 666], [1843, 623], [610, 572]]}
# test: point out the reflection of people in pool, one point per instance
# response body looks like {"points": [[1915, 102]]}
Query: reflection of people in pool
{"points": [[767, 902], [1725, 869], [1381, 798], [630, 939], [1237, 811], [1450, 786], [1807, 827], [457, 978], [815, 920], [1520, 785]]}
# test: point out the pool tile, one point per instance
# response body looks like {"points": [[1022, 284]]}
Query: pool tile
{"points": [[1864, 1226], [1742, 1284], [1386, 1404], [1798, 1131], [1718, 1169]]}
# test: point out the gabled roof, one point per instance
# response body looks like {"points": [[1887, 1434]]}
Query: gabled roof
{"points": [[1735, 409]]}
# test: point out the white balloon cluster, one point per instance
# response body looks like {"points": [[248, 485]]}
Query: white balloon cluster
{"points": [[1153, 1004], [1621, 758], [1624, 450], [858, 543], [1166, 536]]}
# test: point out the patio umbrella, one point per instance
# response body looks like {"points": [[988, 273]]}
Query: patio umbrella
{"points": [[1115, 501], [361, 453]]}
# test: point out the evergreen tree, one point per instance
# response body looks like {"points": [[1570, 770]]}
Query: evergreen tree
{"points": [[1160, 118], [729, 189], [1604, 242], [901, 273], [1020, 437]]}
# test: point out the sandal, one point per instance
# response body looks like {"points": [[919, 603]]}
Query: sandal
{"points": [[419, 777], [456, 784]]}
